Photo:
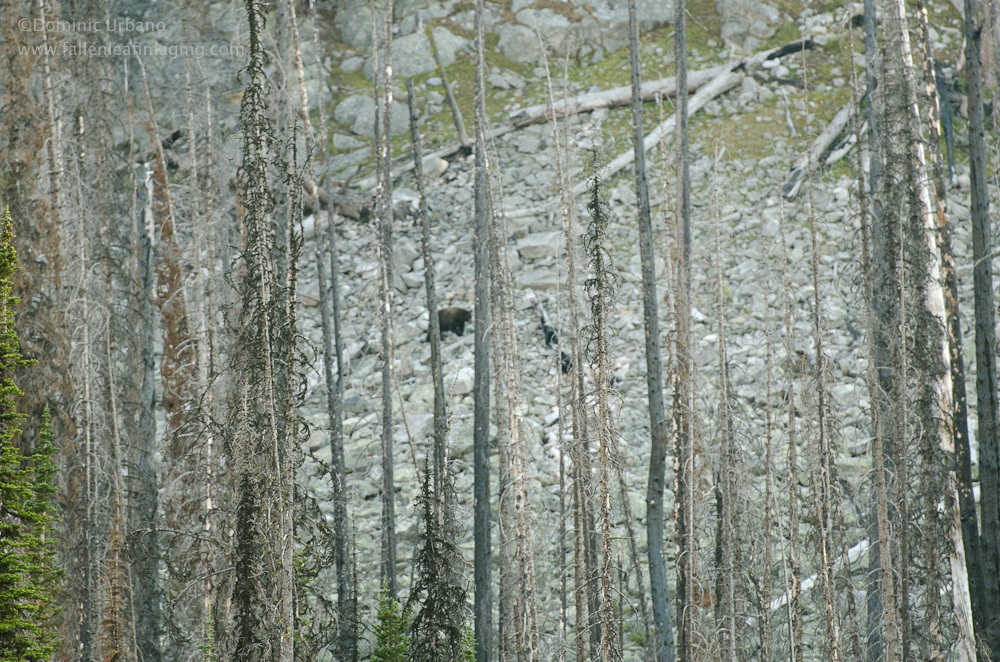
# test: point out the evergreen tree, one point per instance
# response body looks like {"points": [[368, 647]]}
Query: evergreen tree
{"points": [[392, 644], [439, 627], [28, 575]]}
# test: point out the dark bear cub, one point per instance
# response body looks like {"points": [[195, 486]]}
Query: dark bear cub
{"points": [[453, 319]]}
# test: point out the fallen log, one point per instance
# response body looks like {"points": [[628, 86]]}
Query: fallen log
{"points": [[665, 87], [405, 163], [722, 83], [719, 85], [616, 96], [854, 554], [841, 151], [800, 169]]}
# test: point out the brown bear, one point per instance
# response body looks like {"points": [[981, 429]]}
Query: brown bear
{"points": [[453, 319]]}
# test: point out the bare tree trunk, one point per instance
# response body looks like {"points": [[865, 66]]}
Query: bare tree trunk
{"points": [[683, 389], [968, 531], [118, 635], [654, 377], [333, 341], [177, 378], [386, 268], [602, 290], [987, 604], [822, 475], [954, 425], [794, 512], [508, 491], [203, 387], [523, 618], [726, 480], [433, 324], [873, 600], [569, 238], [481, 386], [965, 643], [882, 286], [144, 503], [88, 608], [578, 450], [766, 587], [456, 113], [262, 426]]}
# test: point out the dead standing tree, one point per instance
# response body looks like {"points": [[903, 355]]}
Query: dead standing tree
{"points": [[518, 608], [654, 376], [333, 354], [433, 323], [178, 364], [260, 427], [386, 289], [602, 287], [683, 399], [986, 598], [481, 386]]}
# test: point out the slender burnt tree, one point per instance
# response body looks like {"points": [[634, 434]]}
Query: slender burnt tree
{"points": [[986, 596], [654, 373], [387, 284], [682, 396], [481, 386]]}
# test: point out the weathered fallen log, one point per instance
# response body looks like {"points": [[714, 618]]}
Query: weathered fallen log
{"points": [[665, 87], [846, 146], [405, 163], [616, 96], [854, 554], [800, 168], [722, 83]]}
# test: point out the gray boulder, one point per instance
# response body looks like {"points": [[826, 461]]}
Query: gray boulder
{"points": [[412, 55], [347, 111], [354, 20], [746, 22], [602, 24], [540, 244], [352, 64], [519, 43], [364, 124], [342, 142], [341, 161]]}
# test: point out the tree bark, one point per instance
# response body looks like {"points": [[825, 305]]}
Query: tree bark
{"points": [[795, 607], [434, 330], [986, 605], [726, 481], [144, 503], [387, 276], [954, 424], [456, 112], [481, 385], [333, 355], [683, 389], [654, 377], [823, 474], [602, 291]]}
